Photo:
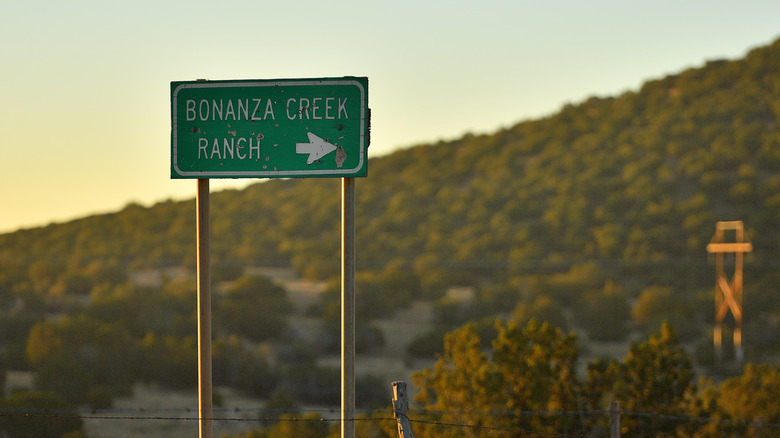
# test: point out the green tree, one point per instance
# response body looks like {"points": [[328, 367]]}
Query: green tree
{"points": [[73, 283], [426, 345], [168, 360], [532, 369], [542, 309], [655, 378], [752, 397], [109, 272], [44, 342], [538, 368], [566, 285], [235, 366], [368, 337], [598, 391], [75, 356], [653, 303], [461, 381], [66, 377], [660, 304], [43, 274], [604, 313], [253, 307]]}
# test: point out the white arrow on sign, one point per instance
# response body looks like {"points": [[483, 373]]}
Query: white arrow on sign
{"points": [[316, 148]]}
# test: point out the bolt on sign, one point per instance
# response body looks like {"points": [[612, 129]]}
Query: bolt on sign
{"points": [[279, 128]]}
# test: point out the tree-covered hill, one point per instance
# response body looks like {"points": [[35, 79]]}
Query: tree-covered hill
{"points": [[623, 189]]}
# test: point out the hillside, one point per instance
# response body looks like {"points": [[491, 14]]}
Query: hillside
{"points": [[622, 190]]}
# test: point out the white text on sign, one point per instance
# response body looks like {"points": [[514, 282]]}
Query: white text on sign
{"points": [[257, 109]]}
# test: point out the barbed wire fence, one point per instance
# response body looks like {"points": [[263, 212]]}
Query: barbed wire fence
{"points": [[416, 418]]}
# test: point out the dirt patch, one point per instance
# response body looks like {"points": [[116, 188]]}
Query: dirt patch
{"points": [[405, 325], [18, 381], [302, 293], [156, 277]]}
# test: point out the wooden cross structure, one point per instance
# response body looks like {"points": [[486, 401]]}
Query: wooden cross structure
{"points": [[728, 295]]}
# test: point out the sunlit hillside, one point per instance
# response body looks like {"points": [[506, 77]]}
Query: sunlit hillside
{"points": [[594, 219]]}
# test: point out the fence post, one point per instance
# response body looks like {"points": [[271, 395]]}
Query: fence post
{"points": [[401, 410], [614, 419]]}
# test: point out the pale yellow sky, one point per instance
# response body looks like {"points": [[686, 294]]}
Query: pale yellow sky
{"points": [[85, 96]]}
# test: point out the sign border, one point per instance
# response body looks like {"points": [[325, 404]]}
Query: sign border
{"points": [[357, 171]]}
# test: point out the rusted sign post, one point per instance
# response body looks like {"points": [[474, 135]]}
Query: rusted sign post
{"points": [[281, 128]]}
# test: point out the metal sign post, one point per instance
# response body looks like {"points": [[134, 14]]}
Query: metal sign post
{"points": [[204, 311], [348, 308]]}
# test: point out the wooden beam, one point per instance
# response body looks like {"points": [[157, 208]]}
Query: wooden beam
{"points": [[729, 247]]}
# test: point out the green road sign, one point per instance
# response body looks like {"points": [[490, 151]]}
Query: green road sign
{"points": [[269, 128]]}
